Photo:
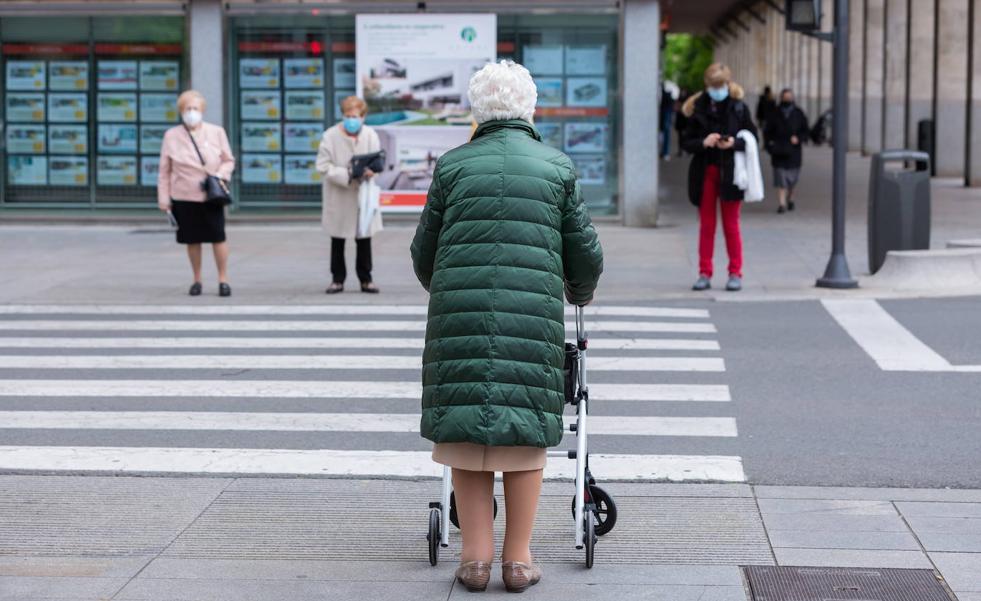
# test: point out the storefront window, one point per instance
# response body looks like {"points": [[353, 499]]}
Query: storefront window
{"points": [[86, 102]]}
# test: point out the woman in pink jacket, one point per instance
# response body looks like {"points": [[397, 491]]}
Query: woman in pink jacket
{"points": [[179, 185]]}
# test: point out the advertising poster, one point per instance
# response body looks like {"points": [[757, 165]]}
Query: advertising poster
{"points": [[258, 73], [551, 134], [116, 107], [69, 171], [68, 75], [117, 138], [586, 91], [149, 166], [158, 108], [27, 170], [151, 137], [117, 75], [413, 70], [116, 171], [68, 139], [585, 60], [303, 72], [543, 60], [261, 137], [305, 106], [549, 91], [27, 139], [25, 75], [303, 137], [25, 107], [260, 104], [262, 169], [340, 95], [301, 169], [344, 73], [590, 169], [585, 136], [160, 76], [68, 108]]}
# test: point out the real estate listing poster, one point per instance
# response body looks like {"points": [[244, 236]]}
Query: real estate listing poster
{"points": [[25, 107], [344, 72], [301, 169], [549, 91], [68, 171], [543, 60], [591, 170], [116, 106], [26, 138], [149, 167], [160, 76], [414, 70], [306, 105], [116, 171], [151, 138], [586, 91], [303, 72], [68, 107], [25, 75], [585, 60], [115, 137], [261, 136], [258, 73], [26, 170], [117, 75], [262, 168], [158, 108], [586, 136], [66, 76], [68, 139], [260, 104], [302, 137]]}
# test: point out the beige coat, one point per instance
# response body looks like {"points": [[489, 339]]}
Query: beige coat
{"points": [[340, 196]]}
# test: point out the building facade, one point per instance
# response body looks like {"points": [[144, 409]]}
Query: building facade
{"points": [[89, 88]]}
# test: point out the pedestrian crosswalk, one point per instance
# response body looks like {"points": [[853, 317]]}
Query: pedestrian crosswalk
{"points": [[326, 390]]}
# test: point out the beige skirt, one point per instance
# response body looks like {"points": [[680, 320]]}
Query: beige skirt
{"points": [[481, 458]]}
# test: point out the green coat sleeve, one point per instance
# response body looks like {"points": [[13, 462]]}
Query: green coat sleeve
{"points": [[582, 255], [427, 234]]}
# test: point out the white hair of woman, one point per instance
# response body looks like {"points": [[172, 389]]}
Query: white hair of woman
{"points": [[502, 91]]}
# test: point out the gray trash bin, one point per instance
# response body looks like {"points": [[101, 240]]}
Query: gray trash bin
{"points": [[899, 205]]}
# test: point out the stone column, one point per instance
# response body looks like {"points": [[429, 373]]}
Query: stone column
{"points": [[641, 84], [921, 74], [894, 102], [951, 87], [207, 55], [872, 102], [974, 163], [826, 67], [856, 59]]}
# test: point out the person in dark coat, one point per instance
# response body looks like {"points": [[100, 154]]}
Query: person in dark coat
{"points": [[667, 112], [715, 117], [764, 105], [786, 129], [680, 121], [504, 236]]}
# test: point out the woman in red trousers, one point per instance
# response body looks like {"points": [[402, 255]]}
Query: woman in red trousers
{"points": [[715, 116]]}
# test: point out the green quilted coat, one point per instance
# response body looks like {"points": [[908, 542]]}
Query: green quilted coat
{"points": [[503, 235]]}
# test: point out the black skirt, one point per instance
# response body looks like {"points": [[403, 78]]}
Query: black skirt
{"points": [[198, 222]]}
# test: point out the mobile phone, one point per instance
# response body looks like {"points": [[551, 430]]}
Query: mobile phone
{"points": [[172, 220]]}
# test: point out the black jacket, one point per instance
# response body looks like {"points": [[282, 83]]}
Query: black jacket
{"points": [[726, 117], [779, 129]]}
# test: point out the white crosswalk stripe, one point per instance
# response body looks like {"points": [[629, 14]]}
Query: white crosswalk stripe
{"points": [[58, 387]]}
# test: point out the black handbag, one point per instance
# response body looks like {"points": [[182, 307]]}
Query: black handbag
{"points": [[372, 160], [215, 189]]}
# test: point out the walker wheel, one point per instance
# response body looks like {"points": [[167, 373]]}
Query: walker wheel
{"points": [[454, 518], [434, 536], [606, 509], [589, 536]]}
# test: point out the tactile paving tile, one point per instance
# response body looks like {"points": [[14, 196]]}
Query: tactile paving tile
{"points": [[771, 583]]}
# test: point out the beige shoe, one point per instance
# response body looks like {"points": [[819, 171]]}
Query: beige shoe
{"points": [[518, 575], [474, 575]]}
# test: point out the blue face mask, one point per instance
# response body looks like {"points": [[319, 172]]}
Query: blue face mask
{"points": [[718, 94], [352, 125]]}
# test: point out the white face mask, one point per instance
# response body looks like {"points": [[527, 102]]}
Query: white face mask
{"points": [[191, 118]]}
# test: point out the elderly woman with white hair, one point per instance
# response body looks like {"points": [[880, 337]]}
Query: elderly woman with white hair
{"points": [[189, 153], [503, 237]]}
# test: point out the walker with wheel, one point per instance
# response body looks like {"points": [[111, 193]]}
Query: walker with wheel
{"points": [[593, 511]]}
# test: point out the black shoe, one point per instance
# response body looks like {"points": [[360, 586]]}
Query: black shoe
{"points": [[334, 288], [781, 210], [369, 287], [224, 289], [195, 289], [790, 205]]}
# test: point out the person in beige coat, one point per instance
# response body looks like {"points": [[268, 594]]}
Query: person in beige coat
{"points": [[340, 193]]}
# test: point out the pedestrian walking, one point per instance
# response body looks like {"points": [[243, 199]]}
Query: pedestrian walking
{"points": [[189, 153], [680, 120], [764, 105], [667, 113], [339, 192], [504, 234], [715, 118], [786, 130]]}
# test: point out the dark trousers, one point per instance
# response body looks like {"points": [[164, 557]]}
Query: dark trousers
{"points": [[362, 260]]}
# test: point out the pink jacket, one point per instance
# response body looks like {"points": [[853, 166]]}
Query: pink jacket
{"points": [[181, 172]]}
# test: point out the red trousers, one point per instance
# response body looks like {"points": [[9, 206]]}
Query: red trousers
{"points": [[730, 225]]}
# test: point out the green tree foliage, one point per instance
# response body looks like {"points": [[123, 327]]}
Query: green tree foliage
{"points": [[685, 58]]}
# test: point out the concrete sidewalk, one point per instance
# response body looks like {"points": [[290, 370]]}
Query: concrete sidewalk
{"points": [[289, 263], [89, 537]]}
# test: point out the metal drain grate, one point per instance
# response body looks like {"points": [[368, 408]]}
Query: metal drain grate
{"points": [[788, 583]]}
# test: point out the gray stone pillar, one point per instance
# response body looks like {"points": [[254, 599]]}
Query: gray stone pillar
{"points": [[641, 83], [951, 87], [894, 102], [856, 58], [872, 101], [826, 67], [920, 67], [207, 53], [974, 164]]}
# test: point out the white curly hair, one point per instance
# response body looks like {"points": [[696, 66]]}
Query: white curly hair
{"points": [[502, 91]]}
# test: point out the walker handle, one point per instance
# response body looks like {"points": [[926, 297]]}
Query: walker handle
{"points": [[581, 337]]}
